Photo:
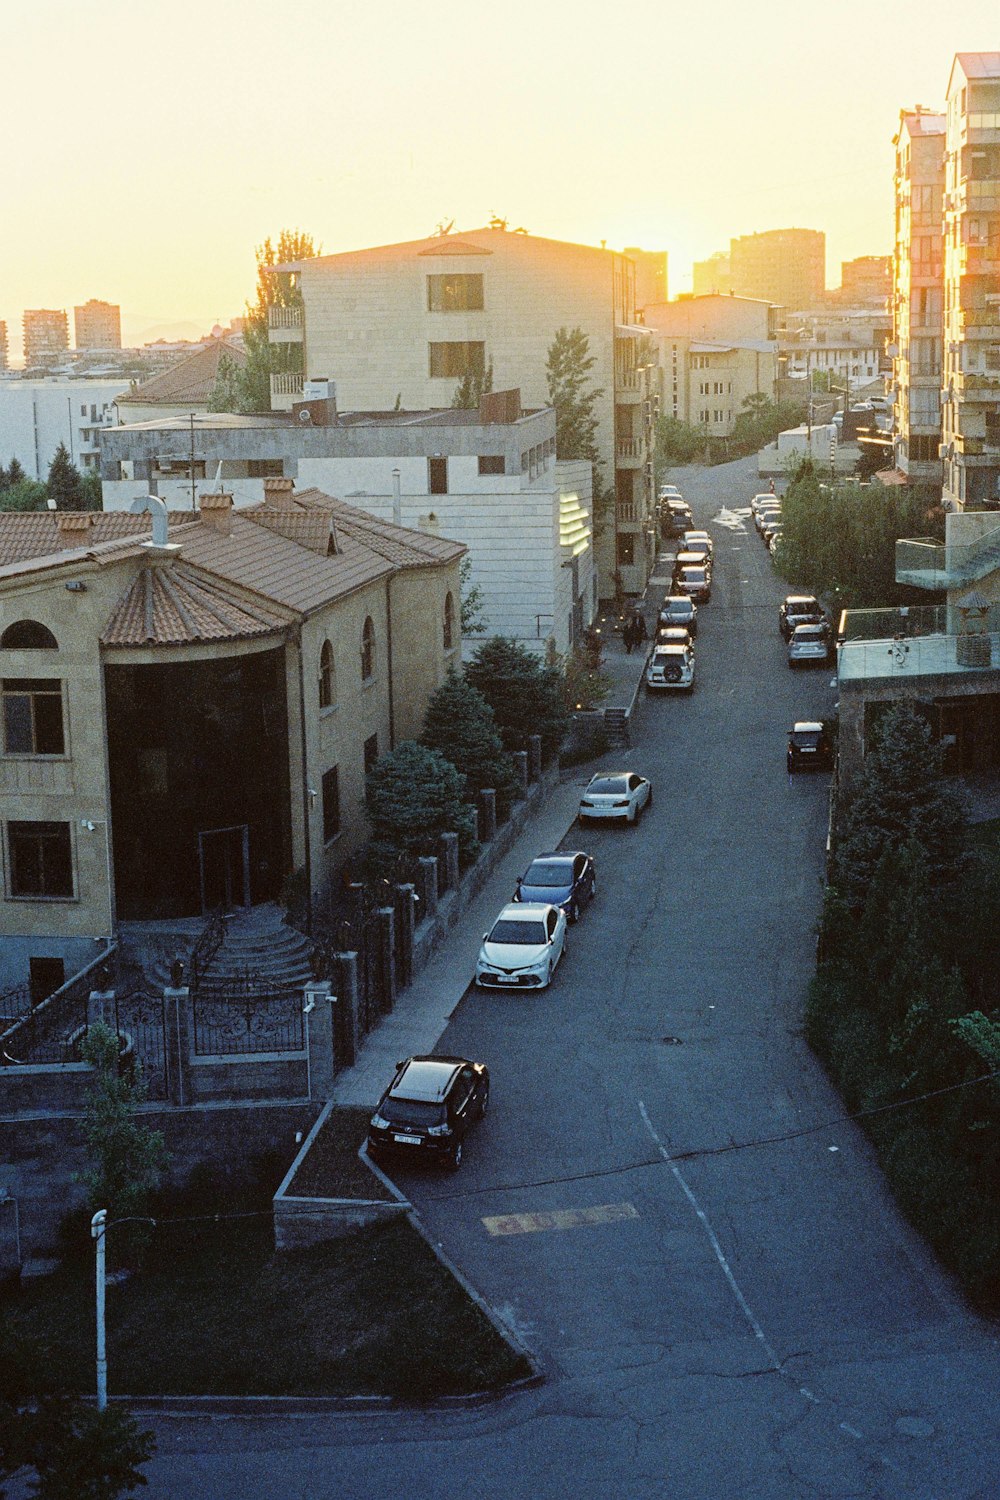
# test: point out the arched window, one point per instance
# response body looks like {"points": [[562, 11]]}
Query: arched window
{"points": [[28, 635], [449, 621], [368, 650], [327, 677]]}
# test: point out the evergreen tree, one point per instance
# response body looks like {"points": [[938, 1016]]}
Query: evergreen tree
{"points": [[91, 490], [230, 392], [15, 474], [526, 695], [568, 368], [459, 724], [26, 494], [472, 387], [64, 483], [413, 796]]}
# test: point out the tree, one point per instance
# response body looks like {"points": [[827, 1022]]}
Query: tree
{"points": [[13, 475], [274, 289], [127, 1159], [568, 368], [26, 494], [677, 442], [459, 724], [91, 490], [472, 387], [64, 483], [473, 607], [525, 694], [413, 796], [230, 392]]}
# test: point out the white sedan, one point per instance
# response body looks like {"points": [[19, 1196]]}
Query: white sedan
{"points": [[616, 794], [523, 948]]}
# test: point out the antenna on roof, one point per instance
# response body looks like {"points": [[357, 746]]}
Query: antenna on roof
{"points": [[441, 228]]}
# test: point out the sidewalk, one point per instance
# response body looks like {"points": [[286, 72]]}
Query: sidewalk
{"points": [[423, 1010]]}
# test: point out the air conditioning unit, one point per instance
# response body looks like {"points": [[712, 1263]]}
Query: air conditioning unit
{"points": [[319, 388]]}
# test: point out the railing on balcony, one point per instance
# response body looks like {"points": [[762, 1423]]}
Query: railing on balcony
{"points": [[628, 451], [917, 656], [925, 563], [284, 317], [884, 624], [286, 387]]}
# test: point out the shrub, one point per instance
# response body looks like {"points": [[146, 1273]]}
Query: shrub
{"points": [[459, 724], [415, 795], [525, 694]]}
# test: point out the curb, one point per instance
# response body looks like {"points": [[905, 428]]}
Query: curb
{"points": [[265, 1406]]}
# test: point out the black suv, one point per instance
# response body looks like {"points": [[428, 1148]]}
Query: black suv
{"points": [[799, 609], [810, 748], [428, 1107]]}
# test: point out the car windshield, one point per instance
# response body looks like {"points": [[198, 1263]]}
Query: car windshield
{"points": [[808, 632], [550, 872], [693, 575], [508, 930], [805, 738], [411, 1111], [677, 607]]}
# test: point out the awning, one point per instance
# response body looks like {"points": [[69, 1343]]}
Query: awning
{"points": [[892, 476]]}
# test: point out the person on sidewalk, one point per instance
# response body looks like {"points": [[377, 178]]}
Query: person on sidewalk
{"points": [[639, 632], [628, 635]]}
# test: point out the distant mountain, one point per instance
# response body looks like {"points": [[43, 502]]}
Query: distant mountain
{"points": [[142, 328]]}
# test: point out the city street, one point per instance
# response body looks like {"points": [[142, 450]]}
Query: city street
{"points": [[664, 1200]]}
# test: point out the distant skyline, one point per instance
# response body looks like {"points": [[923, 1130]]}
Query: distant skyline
{"points": [[173, 138]]}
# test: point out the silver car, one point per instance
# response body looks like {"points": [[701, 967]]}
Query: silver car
{"points": [[809, 643]]}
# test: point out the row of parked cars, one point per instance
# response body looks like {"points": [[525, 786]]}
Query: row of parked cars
{"points": [[670, 666], [433, 1101]]}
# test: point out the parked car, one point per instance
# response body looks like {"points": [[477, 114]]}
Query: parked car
{"points": [[773, 539], [687, 559], [809, 643], [771, 524], [763, 511], [567, 879], [765, 498], [798, 609], [615, 794], [695, 582], [669, 492], [698, 541], [428, 1108], [673, 635], [523, 948], [670, 667], [810, 748], [679, 609]]}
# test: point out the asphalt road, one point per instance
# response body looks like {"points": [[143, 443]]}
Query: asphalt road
{"points": [[724, 1300]]}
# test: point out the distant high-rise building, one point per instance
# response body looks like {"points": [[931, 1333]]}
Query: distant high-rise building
{"points": [[46, 337], [650, 275], [98, 325], [711, 275], [3, 346], [783, 266], [918, 293], [866, 281]]}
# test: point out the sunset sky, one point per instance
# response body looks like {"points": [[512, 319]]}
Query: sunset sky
{"points": [[148, 146]]}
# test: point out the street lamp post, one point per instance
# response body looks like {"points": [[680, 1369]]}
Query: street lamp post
{"points": [[98, 1231]]}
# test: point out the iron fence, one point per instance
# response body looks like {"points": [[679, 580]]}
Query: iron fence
{"points": [[242, 1017], [207, 946], [14, 1003], [140, 1022], [53, 1031]]}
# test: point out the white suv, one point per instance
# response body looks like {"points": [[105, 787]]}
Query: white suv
{"points": [[670, 667]]}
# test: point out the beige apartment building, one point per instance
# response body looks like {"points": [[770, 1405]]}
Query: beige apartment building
{"points": [[188, 716], [711, 275], [97, 325], [46, 337], [3, 345], [970, 418], [401, 325], [714, 352], [918, 294], [783, 266], [651, 275]]}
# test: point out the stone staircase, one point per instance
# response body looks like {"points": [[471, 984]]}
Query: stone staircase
{"points": [[616, 728], [257, 944]]}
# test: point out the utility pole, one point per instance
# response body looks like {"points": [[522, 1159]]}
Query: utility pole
{"points": [[98, 1231], [194, 502]]}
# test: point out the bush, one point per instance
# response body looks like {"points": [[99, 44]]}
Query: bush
{"points": [[415, 795], [459, 724], [526, 696]]}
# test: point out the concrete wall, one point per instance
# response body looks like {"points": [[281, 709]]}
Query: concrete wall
{"points": [[37, 415]]}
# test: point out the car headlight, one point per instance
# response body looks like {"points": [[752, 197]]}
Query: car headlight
{"points": [[620, 804], [379, 1122], [439, 1130]]}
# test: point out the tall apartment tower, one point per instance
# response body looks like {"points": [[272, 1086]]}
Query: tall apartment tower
{"points": [[918, 293], [46, 337], [3, 346], [712, 275], [783, 266], [650, 275], [97, 325], [970, 418], [866, 281]]}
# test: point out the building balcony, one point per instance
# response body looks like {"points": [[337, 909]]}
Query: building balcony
{"points": [[628, 512], [286, 388], [974, 387], [924, 563], [908, 655], [285, 325], [629, 453], [628, 388], [979, 260]]}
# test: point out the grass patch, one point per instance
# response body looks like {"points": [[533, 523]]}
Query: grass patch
{"points": [[332, 1168], [217, 1311]]}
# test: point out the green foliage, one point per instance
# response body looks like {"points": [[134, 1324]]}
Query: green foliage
{"points": [[762, 419], [473, 606], [585, 686], [472, 387], [677, 442], [414, 795], [126, 1159], [64, 484], [91, 490], [229, 393], [839, 541], [567, 370], [12, 476], [251, 386], [26, 494], [459, 725], [525, 694]]}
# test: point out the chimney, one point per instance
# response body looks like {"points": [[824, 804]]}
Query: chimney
{"points": [[216, 510], [74, 527], [279, 493]]}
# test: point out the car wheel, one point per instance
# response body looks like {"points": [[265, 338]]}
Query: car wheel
{"points": [[454, 1158], [484, 1102]]}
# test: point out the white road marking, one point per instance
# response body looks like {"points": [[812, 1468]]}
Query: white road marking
{"points": [[731, 519], [851, 1431], [734, 1285]]}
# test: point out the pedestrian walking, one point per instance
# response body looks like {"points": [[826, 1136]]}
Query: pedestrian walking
{"points": [[628, 636], [639, 630]]}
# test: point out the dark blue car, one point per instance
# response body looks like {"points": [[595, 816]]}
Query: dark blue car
{"points": [[567, 879]]}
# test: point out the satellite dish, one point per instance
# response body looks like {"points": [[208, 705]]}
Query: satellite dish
{"points": [[305, 416]]}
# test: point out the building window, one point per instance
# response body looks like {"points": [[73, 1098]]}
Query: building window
{"points": [[449, 620], [452, 361], [28, 635], [41, 859], [626, 549], [454, 293], [491, 463], [437, 476], [33, 716], [327, 677], [371, 752], [368, 650], [331, 803]]}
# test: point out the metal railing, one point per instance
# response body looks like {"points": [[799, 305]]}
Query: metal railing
{"points": [[51, 1032], [207, 946], [243, 1017], [918, 656], [931, 564]]}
